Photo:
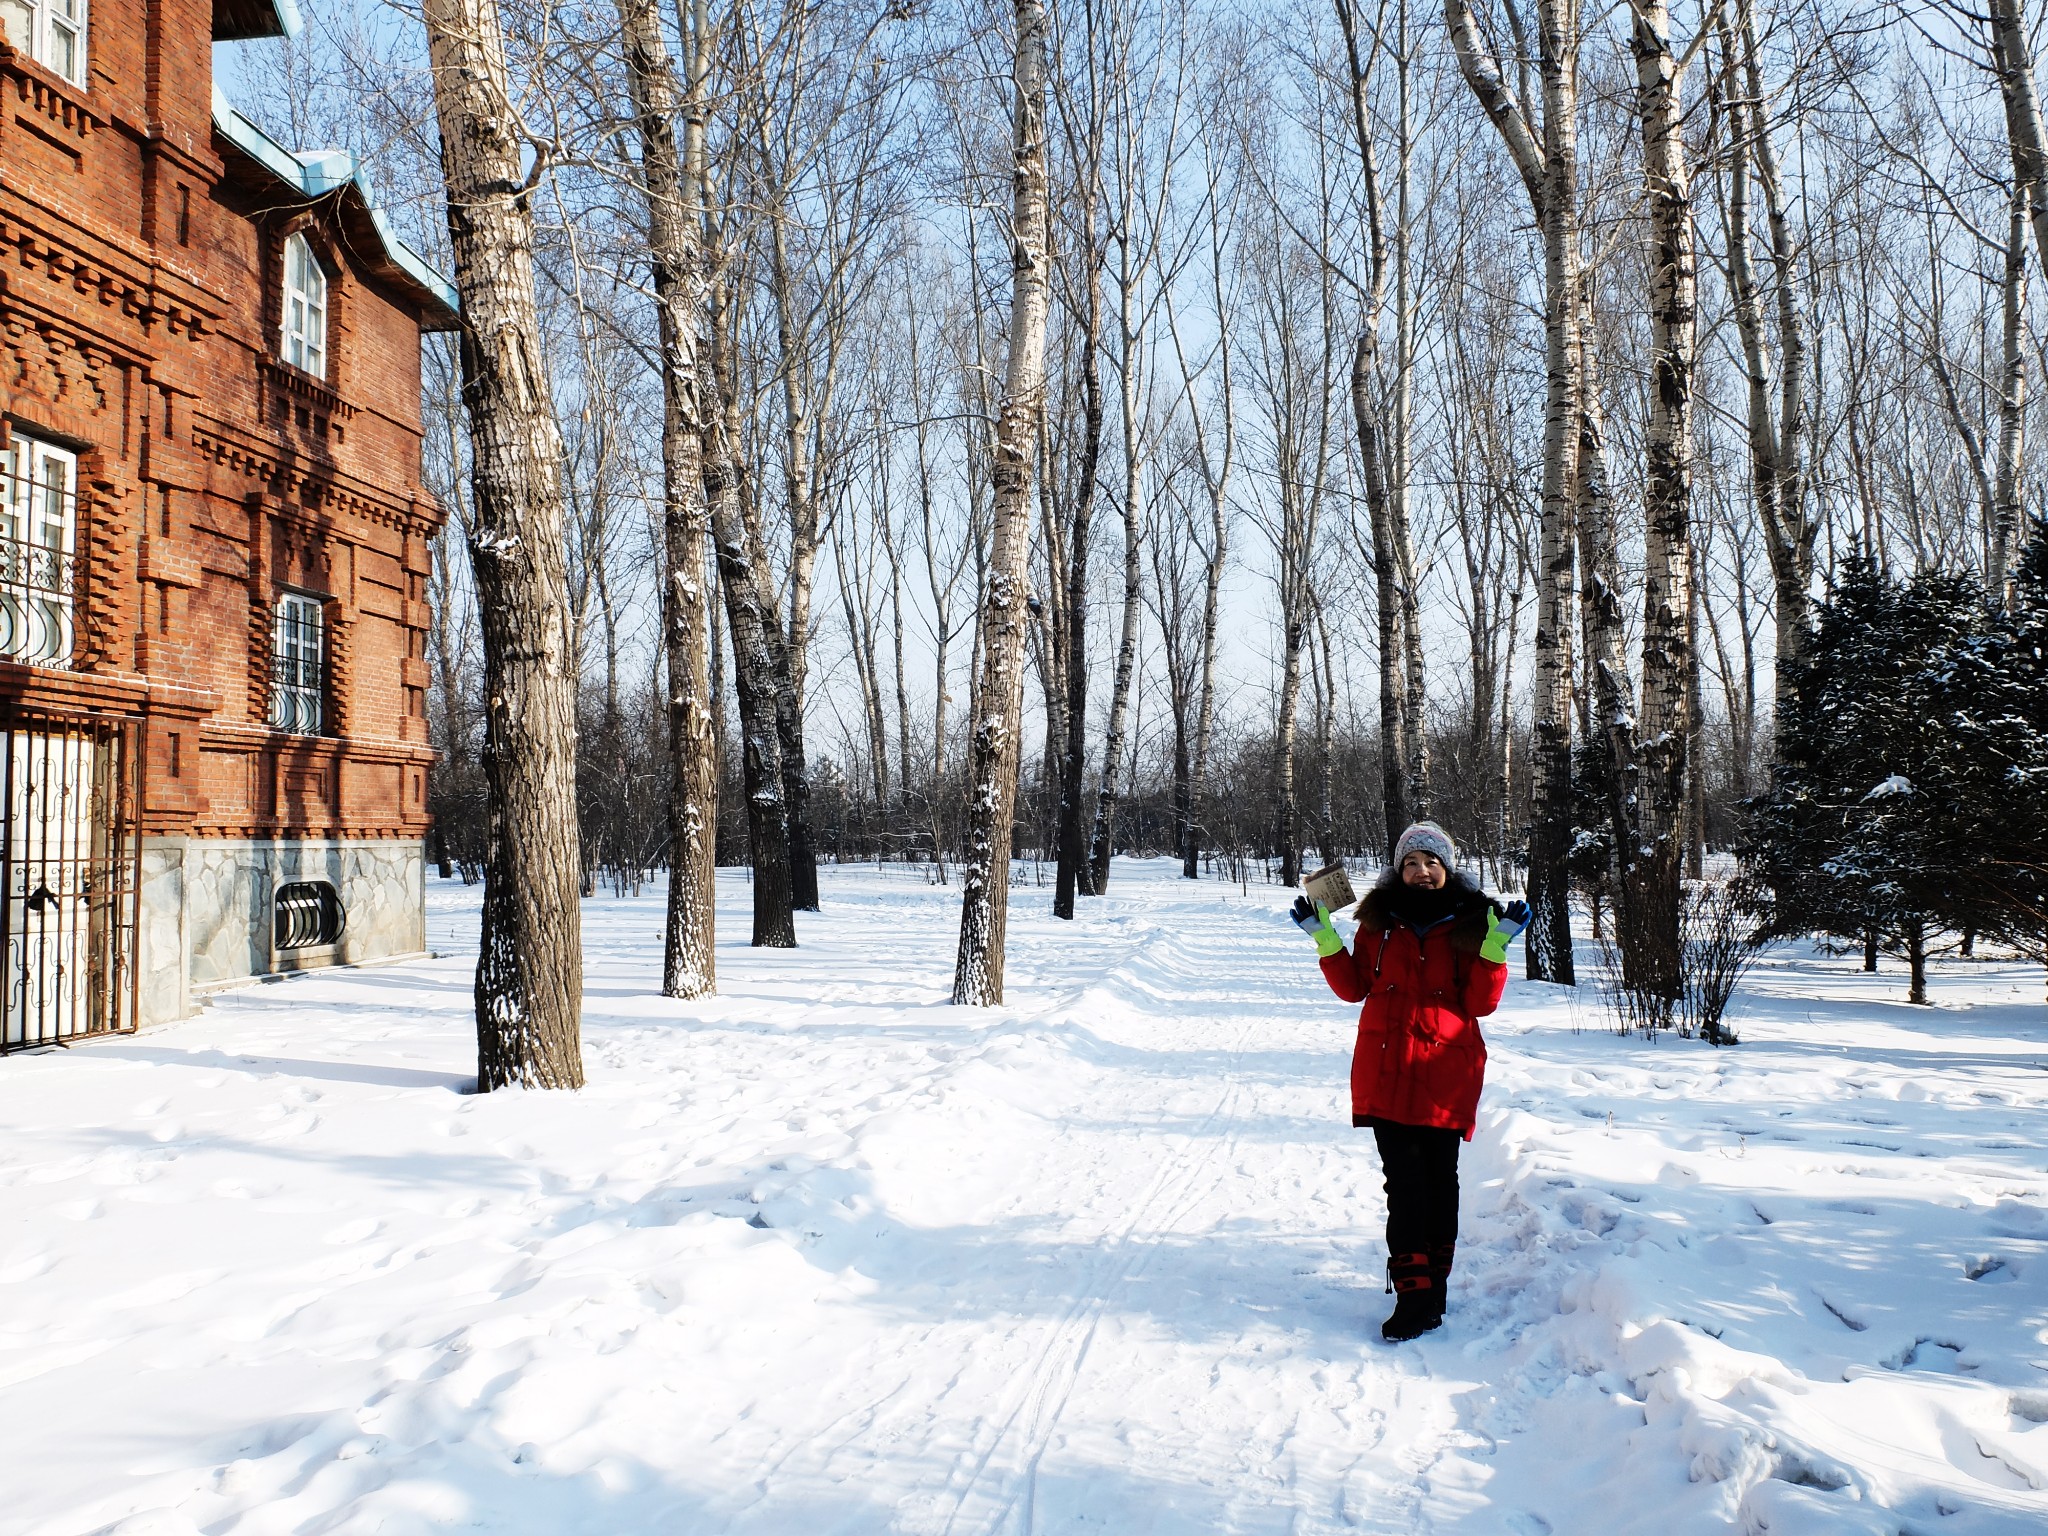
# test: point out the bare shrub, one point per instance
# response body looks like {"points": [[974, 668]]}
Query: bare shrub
{"points": [[1722, 941]]}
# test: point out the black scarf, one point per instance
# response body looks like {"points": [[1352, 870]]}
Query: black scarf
{"points": [[1420, 907]]}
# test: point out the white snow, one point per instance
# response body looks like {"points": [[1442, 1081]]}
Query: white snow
{"points": [[827, 1254]]}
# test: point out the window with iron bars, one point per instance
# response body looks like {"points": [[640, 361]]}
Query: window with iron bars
{"points": [[38, 541], [295, 680], [52, 32], [306, 915]]}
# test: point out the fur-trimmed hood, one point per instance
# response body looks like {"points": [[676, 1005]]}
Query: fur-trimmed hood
{"points": [[1379, 910]]}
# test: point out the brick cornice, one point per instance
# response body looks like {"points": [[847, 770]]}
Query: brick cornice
{"points": [[94, 264], [299, 486]]}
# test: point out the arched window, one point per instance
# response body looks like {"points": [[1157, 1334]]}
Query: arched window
{"points": [[38, 540], [295, 675], [305, 308]]}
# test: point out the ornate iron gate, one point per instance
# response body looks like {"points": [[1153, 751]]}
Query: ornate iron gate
{"points": [[72, 879]]}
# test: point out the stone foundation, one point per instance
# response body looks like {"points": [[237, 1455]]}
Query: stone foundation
{"points": [[207, 906]]}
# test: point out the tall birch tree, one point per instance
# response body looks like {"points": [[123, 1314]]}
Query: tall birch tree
{"points": [[1540, 130], [670, 178], [999, 697]]}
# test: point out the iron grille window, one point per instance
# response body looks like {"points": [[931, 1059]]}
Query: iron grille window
{"points": [[305, 308], [308, 914], [38, 537], [52, 32], [295, 666]]}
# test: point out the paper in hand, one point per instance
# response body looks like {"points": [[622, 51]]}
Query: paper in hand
{"points": [[1331, 887]]}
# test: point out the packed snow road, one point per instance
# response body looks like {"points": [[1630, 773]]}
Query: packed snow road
{"points": [[825, 1254]]}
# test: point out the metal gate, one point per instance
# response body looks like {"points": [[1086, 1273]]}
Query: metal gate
{"points": [[68, 917]]}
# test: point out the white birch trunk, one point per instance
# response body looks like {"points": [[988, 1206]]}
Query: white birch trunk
{"points": [[992, 774]]}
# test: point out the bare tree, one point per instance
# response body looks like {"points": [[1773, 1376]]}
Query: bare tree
{"points": [[1543, 144], [529, 974], [997, 747], [1777, 433], [672, 179], [748, 617], [1652, 865]]}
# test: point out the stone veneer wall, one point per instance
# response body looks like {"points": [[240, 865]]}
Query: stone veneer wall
{"points": [[206, 910]]}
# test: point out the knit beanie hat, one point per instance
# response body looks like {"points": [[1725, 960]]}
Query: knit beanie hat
{"points": [[1427, 837]]}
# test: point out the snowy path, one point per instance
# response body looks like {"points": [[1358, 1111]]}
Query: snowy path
{"points": [[826, 1255]]}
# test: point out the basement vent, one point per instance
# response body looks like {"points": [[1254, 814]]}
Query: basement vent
{"points": [[308, 915]]}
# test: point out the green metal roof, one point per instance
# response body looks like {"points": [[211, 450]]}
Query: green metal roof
{"points": [[316, 173]]}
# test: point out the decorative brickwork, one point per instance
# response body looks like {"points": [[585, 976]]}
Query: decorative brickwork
{"points": [[140, 253]]}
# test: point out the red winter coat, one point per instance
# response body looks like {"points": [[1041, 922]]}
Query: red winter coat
{"points": [[1420, 1058]]}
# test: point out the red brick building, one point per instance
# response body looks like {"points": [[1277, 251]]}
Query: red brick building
{"points": [[213, 536]]}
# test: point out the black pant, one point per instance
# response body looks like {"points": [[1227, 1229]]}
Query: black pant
{"points": [[1421, 1163]]}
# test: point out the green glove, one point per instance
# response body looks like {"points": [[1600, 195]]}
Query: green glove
{"points": [[1313, 919], [1501, 927]]}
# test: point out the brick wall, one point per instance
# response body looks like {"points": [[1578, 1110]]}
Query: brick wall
{"points": [[141, 264]]}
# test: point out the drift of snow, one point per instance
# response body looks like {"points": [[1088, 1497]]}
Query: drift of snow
{"points": [[826, 1254]]}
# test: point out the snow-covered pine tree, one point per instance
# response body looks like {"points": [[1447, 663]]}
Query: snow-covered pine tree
{"points": [[1863, 831], [1989, 692]]}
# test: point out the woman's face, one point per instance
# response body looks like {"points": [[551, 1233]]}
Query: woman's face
{"points": [[1425, 871]]}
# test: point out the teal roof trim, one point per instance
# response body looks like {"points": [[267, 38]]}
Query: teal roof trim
{"points": [[241, 21], [318, 172]]}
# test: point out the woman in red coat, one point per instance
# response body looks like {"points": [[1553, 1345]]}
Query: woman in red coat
{"points": [[1429, 961]]}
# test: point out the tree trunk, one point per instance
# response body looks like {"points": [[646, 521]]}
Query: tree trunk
{"points": [[1777, 451], [2013, 58], [529, 973], [1415, 701], [1205, 710], [1074, 872], [1695, 722], [1283, 747], [903, 786], [1667, 505], [1604, 624], [689, 954], [785, 672], [2007, 513], [1383, 461], [1549, 170], [1394, 756], [789, 649], [992, 774], [1326, 725], [1104, 840], [754, 675], [454, 735]]}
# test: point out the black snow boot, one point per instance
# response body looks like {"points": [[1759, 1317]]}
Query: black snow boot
{"points": [[1440, 1260], [1417, 1304]]}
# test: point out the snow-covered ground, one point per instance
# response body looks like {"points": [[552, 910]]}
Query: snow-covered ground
{"points": [[829, 1255]]}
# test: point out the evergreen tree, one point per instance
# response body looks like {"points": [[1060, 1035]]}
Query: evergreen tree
{"points": [[1990, 691], [1865, 829]]}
